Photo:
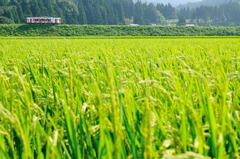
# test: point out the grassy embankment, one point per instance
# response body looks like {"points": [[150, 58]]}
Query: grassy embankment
{"points": [[114, 30]]}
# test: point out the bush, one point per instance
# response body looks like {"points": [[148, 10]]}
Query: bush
{"points": [[5, 20]]}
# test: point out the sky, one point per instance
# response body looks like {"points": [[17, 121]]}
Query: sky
{"points": [[174, 2]]}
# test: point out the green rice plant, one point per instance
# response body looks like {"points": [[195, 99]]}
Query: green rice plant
{"points": [[120, 98]]}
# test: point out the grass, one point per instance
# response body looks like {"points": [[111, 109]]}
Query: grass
{"points": [[120, 98], [13, 30]]}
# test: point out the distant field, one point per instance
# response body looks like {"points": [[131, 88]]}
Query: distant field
{"points": [[120, 98], [114, 30]]}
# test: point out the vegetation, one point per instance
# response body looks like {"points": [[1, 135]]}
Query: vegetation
{"points": [[83, 11], [226, 14], [209, 3], [119, 98], [114, 30], [115, 12]]}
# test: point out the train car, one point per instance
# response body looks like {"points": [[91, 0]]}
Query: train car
{"points": [[43, 20]]}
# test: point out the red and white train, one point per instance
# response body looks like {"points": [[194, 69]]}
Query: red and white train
{"points": [[43, 20]]}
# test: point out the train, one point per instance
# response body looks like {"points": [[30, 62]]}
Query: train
{"points": [[43, 20]]}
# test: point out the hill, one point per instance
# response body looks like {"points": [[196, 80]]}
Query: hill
{"points": [[209, 3], [118, 12], [104, 12]]}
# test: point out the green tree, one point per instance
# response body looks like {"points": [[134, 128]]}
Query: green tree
{"points": [[3, 2], [5, 20]]}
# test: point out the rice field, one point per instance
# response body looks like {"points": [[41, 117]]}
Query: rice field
{"points": [[120, 98]]}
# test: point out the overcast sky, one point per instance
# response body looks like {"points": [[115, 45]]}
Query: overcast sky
{"points": [[175, 2]]}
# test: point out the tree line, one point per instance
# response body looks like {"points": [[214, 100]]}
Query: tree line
{"points": [[115, 12], [227, 14], [82, 11]]}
